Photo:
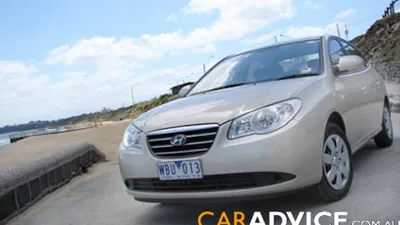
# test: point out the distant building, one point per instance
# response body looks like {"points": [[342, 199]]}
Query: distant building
{"points": [[175, 89]]}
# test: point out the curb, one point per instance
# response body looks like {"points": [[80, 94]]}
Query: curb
{"points": [[24, 184], [394, 105]]}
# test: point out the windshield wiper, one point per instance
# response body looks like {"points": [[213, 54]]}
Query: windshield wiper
{"points": [[223, 87], [298, 76], [240, 84]]}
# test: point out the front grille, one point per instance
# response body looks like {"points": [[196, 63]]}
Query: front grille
{"points": [[199, 140], [209, 183]]}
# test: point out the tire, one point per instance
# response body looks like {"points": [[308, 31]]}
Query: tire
{"points": [[336, 161], [385, 137]]}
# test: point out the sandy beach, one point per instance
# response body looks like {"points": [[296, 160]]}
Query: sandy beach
{"points": [[106, 138]]}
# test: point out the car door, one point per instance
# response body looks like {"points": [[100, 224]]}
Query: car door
{"points": [[372, 88], [349, 95]]}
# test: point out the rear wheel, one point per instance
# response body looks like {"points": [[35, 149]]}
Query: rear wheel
{"points": [[385, 137], [337, 166]]}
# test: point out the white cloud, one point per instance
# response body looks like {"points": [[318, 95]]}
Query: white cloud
{"points": [[33, 96], [93, 49], [298, 31], [16, 91], [305, 31], [116, 62], [267, 37], [346, 13], [172, 18], [176, 53], [10, 67], [72, 74], [313, 5], [208, 48], [236, 19]]}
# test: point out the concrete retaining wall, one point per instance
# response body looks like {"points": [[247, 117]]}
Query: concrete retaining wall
{"points": [[390, 71], [394, 103], [24, 184]]}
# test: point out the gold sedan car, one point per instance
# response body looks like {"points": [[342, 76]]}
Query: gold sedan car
{"points": [[263, 122]]}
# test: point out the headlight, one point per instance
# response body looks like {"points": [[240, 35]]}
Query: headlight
{"points": [[132, 137], [264, 120]]}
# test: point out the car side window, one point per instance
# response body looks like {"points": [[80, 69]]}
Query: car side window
{"points": [[335, 51], [350, 50]]}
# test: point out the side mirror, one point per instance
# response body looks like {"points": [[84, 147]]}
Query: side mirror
{"points": [[184, 90], [349, 63]]}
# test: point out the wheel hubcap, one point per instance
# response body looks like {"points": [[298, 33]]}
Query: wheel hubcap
{"points": [[336, 162], [387, 121]]}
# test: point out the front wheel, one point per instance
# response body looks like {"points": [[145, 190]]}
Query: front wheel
{"points": [[337, 165], [385, 137]]}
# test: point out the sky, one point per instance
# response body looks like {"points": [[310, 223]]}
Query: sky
{"points": [[64, 58]]}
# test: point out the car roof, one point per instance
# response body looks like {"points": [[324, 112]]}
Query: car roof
{"points": [[310, 38]]}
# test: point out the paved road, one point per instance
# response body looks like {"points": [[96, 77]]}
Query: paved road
{"points": [[393, 88], [98, 197]]}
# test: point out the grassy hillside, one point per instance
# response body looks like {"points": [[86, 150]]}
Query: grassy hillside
{"points": [[133, 111], [103, 115]]}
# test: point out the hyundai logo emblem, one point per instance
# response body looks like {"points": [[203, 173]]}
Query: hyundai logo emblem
{"points": [[178, 140]]}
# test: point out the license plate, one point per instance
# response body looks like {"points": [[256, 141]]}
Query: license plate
{"points": [[180, 170]]}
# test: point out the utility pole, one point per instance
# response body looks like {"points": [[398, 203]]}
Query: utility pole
{"points": [[133, 99], [204, 64], [347, 32], [337, 27]]}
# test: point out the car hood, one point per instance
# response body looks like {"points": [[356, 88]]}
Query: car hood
{"points": [[218, 106]]}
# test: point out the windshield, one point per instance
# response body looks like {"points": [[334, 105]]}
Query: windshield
{"points": [[267, 64]]}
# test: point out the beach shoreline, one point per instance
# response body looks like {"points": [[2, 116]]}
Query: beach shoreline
{"points": [[106, 138]]}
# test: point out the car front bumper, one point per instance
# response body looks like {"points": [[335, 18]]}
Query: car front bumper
{"points": [[292, 150]]}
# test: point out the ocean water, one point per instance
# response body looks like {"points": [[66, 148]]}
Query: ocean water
{"points": [[4, 139]]}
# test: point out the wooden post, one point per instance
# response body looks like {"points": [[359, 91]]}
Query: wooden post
{"points": [[95, 120]]}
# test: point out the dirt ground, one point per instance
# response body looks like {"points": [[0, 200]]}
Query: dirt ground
{"points": [[106, 138]]}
